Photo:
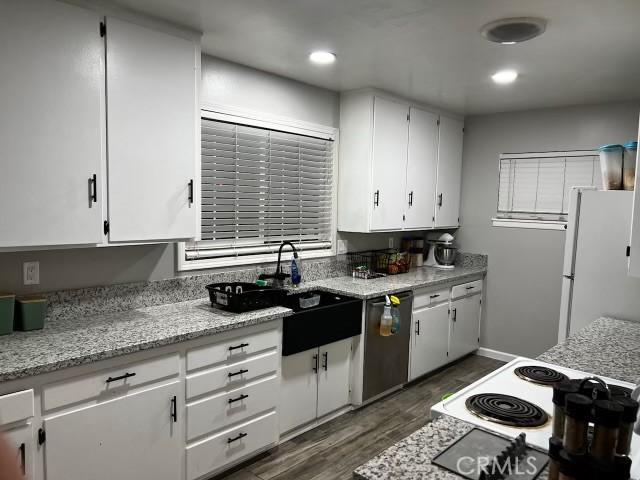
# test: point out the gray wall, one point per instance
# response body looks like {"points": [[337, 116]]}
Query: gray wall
{"points": [[223, 83], [523, 284]]}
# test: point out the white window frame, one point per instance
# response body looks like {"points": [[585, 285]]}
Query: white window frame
{"points": [[536, 223], [271, 122]]}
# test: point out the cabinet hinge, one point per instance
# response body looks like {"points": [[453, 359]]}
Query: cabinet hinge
{"points": [[628, 250], [105, 227], [447, 354], [433, 219], [408, 117], [438, 122], [404, 217], [103, 29], [42, 436]]}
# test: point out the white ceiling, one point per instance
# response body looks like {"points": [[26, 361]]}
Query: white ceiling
{"points": [[429, 50]]}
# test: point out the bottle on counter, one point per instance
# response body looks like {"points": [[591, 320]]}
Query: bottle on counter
{"points": [[395, 314], [629, 416], [560, 392], [296, 270], [607, 417], [386, 320], [576, 427]]}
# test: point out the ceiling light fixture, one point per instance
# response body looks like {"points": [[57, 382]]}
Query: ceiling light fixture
{"points": [[509, 31], [322, 57], [504, 77]]}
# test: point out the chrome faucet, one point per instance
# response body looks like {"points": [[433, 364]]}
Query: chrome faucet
{"points": [[279, 277]]}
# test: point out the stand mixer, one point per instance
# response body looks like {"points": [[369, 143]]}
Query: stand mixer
{"points": [[442, 252]]}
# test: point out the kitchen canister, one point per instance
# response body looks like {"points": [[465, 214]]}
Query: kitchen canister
{"points": [[611, 166], [30, 313], [7, 302], [629, 165]]}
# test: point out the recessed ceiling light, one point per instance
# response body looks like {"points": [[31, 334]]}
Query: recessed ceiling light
{"points": [[504, 76], [322, 57], [509, 31]]}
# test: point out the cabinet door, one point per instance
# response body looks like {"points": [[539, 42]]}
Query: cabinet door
{"points": [[133, 436], [390, 139], [299, 389], [52, 123], [449, 172], [21, 442], [421, 169], [634, 241], [334, 376], [464, 326], [430, 339], [151, 104]]}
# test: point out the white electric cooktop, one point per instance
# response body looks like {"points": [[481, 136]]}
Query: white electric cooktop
{"points": [[505, 381]]}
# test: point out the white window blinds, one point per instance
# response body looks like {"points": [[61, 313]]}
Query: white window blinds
{"points": [[261, 187], [537, 185]]}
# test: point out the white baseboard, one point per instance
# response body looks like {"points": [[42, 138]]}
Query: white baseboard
{"points": [[495, 354]]}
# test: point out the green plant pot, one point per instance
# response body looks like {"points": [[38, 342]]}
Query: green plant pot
{"points": [[7, 303], [30, 313]]}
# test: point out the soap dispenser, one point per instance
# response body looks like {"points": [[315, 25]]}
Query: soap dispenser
{"points": [[386, 320], [296, 270]]}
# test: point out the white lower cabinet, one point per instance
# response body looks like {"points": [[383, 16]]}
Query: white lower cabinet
{"points": [[21, 441], [214, 453], [134, 436], [464, 335], [430, 339], [314, 383]]}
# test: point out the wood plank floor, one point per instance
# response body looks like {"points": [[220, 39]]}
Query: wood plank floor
{"points": [[335, 449]]}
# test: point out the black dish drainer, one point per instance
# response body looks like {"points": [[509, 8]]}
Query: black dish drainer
{"points": [[241, 297]]}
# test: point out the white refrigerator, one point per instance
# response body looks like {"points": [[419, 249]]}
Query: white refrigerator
{"points": [[595, 281]]}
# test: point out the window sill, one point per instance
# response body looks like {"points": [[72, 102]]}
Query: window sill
{"points": [[532, 224], [230, 262]]}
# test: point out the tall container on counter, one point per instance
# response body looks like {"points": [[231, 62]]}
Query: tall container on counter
{"points": [[611, 166], [629, 165]]}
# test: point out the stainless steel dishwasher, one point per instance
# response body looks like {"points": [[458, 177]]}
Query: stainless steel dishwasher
{"points": [[386, 359]]}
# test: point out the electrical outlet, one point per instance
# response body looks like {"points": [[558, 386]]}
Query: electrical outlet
{"points": [[391, 242], [31, 273], [343, 247]]}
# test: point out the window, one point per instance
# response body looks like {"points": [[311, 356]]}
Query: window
{"points": [[534, 187], [262, 186]]}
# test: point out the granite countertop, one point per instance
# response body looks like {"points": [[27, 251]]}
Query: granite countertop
{"points": [[607, 347], [70, 342], [415, 279]]}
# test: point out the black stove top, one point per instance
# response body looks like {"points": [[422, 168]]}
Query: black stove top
{"points": [[540, 375], [506, 410]]}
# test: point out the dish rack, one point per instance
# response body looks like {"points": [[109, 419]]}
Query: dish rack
{"points": [[241, 297], [378, 263]]}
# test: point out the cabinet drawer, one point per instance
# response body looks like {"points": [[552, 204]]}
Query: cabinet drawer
{"points": [[16, 406], [231, 407], [109, 383], [233, 350], [466, 289], [231, 376], [231, 445], [427, 298]]}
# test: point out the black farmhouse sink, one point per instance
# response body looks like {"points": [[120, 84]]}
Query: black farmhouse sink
{"points": [[335, 318]]}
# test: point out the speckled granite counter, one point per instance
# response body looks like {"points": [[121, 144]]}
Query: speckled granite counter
{"points": [[607, 347], [70, 342], [415, 279]]}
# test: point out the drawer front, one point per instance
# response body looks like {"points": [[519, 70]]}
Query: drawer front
{"points": [[230, 446], [427, 298], [232, 376], [15, 407], [231, 407], [466, 289], [109, 383], [233, 350]]}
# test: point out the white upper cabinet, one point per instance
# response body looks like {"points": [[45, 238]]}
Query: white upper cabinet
{"points": [[396, 161], [151, 105], [388, 175], [449, 172], [421, 167], [52, 124], [634, 241]]}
